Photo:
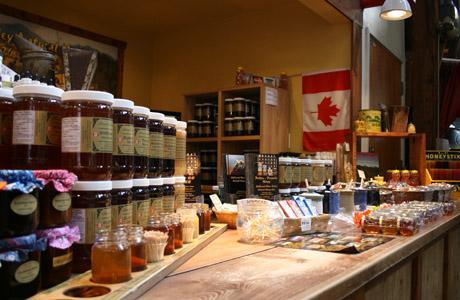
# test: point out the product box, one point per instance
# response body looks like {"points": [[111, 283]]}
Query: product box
{"points": [[261, 176], [234, 178]]}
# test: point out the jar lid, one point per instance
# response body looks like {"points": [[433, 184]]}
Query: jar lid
{"points": [[284, 191], [170, 121], [328, 161], [157, 116], [169, 180], [95, 96], [238, 118], [249, 118], [141, 110], [179, 179], [295, 190], [92, 186], [181, 125], [208, 168], [123, 103], [208, 122], [6, 93], [317, 161], [45, 90], [192, 121], [296, 160], [285, 159], [228, 100], [308, 160], [207, 104], [198, 104], [141, 182], [303, 189], [156, 181], [228, 119], [239, 98], [122, 184]]}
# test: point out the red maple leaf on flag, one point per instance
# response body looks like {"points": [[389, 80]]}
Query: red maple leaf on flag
{"points": [[326, 111]]}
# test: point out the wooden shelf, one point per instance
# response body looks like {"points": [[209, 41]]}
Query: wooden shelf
{"points": [[240, 138], [202, 140], [386, 134]]}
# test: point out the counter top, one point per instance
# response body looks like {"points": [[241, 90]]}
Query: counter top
{"points": [[226, 269]]}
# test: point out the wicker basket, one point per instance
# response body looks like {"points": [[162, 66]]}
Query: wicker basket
{"points": [[228, 218]]}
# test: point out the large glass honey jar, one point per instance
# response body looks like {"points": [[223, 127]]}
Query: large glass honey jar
{"points": [[123, 140]]}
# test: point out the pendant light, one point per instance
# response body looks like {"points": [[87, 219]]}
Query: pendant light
{"points": [[395, 10]]}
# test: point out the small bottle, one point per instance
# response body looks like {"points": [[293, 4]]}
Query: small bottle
{"points": [[178, 241], [111, 257], [138, 248], [166, 219]]}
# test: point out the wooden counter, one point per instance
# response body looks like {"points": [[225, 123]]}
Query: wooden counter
{"points": [[425, 266]]}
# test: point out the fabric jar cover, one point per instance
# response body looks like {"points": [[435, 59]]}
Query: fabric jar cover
{"points": [[62, 180], [19, 180]]}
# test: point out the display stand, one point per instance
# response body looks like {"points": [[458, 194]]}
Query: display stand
{"points": [[142, 281], [417, 149]]}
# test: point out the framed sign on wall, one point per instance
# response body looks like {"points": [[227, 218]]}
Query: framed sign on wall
{"points": [[67, 56]]}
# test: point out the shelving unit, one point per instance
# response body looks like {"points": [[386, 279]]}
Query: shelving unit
{"points": [[417, 149], [274, 122]]}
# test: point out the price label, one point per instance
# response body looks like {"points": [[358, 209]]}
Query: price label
{"points": [[305, 224], [216, 201], [361, 174]]}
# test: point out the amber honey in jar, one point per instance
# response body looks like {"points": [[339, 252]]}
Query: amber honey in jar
{"points": [[36, 140], [6, 127], [156, 144], [55, 199], [168, 194], [176, 222], [138, 248], [91, 212], [141, 141], [285, 172], [181, 148], [122, 206], [123, 140], [156, 196], [87, 134], [141, 201], [169, 146], [179, 191], [111, 257]]}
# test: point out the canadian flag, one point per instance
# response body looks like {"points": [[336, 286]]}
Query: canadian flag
{"points": [[326, 109]]}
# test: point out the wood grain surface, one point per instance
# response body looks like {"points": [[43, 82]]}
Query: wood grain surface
{"points": [[281, 273]]}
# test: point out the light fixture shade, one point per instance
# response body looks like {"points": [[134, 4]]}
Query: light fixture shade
{"points": [[395, 10]]}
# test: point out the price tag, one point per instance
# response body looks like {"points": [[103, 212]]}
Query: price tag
{"points": [[216, 201], [271, 96], [361, 174], [305, 224]]}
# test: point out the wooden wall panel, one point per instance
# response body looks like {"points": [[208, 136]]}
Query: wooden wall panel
{"points": [[396, 285], [431, 271], [453, 265]]}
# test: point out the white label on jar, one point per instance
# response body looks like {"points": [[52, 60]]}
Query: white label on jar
{"points": [[62, 201], [168, 203], [24, 204], [27, 272], [141, 210], [23, 127], [305, 224], [180, 148], [71, 134]]}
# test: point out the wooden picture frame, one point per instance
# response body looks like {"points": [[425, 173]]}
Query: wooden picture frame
{"points": [[75, 31]]}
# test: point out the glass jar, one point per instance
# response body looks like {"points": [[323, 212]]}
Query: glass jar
{"points": [[55, 207], [207, 112], [123, 140], [158, 223], [36, 139], [156, 196], [405, 176], [199, 111], [138, 248], [87, 134], [309, 170], [6, 125], [228, 127], [247, 108], [111, 257], [91, 212], [200, 214], [20, 279], [318, 172], [255, 108], [192, 128], [187, 216], [181, 148], [19, 213], [168, 194], [141, 201], [169, 146], [141, 141], [238, 107], [237, 125], [208, 129], [199, 129], [296, 173], [303, 172], [285, 172], [176, 222], [179, 191], [228, 106], [285, 194], [122, 202], [156, 144], [207, 216], [249, 125]]}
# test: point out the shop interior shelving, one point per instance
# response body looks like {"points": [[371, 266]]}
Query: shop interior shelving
{"points": [[417, 149], [273, 128]]}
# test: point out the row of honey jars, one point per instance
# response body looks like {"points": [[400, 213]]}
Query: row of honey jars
{"points": [[87, 132]]}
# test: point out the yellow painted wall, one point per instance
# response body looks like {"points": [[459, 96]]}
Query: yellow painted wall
{"points": [[138, 57], [291, 39]]}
